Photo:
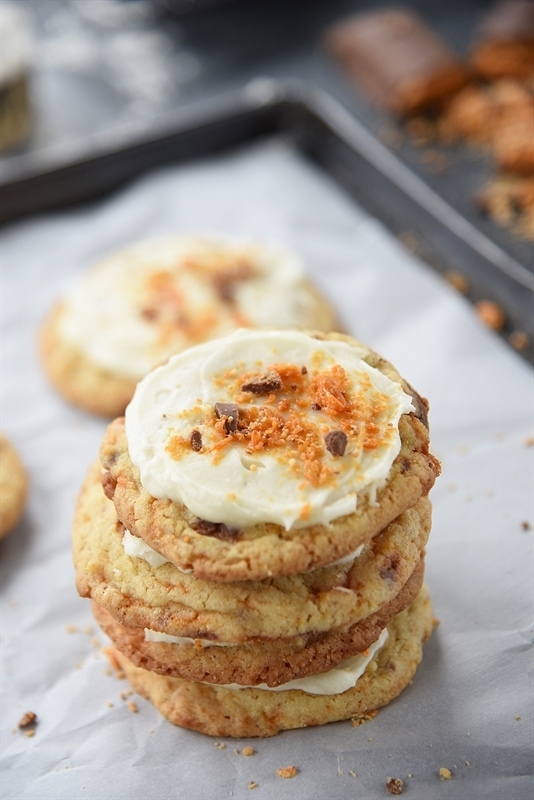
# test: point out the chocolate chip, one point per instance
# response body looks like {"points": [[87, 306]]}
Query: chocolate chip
{"points": [[196, 440], [388, 572], [263, 384], [304, 370], [336, 442], [421, 406], [216, 529], [230, 413], [109, 484]]}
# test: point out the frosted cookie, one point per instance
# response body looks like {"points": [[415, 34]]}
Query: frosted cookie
{"points": [[140, 590], [267, 453], [13, 486], [273, 661], [135, 308], [338, 695]]}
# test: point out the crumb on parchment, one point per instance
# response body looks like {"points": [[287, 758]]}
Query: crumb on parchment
{"points": [[27, 719], [287, 772], [445, 774], [395, 786]]}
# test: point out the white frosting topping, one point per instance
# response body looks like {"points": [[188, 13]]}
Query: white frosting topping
{"points": [[138, 306], [277, 465], [336, 681]]}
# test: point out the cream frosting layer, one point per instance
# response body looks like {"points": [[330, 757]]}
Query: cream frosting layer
{"points": [[336, 681], [266, 426], [140, 305]]}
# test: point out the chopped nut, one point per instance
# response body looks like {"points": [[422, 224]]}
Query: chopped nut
{"points": [[490, 314], [445, 774], [394, 785], [29, 718], [287, 772]]}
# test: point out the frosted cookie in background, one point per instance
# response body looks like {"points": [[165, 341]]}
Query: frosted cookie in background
{"points": [[13, 487], [142, 304], [16, 41]]}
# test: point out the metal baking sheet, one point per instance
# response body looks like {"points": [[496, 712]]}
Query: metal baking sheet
{"points": [[327, 133]]}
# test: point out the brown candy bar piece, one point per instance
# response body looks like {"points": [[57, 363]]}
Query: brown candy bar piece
{"points": [[504, 42], [396, 58]]}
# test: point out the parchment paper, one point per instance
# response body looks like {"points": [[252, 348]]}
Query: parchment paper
{"points": [[469, 708]]}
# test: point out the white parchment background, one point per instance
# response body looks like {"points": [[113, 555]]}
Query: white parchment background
{"points": [[470, 706]]}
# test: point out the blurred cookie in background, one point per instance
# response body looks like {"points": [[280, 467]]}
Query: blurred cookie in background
{"points": [[13, 487], [138, 306]]}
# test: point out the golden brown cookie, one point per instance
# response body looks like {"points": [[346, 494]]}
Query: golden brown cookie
{"points": [[219, 552], [273, 661], [135, 308], [221, 711], [165, 599], [13, 486]]}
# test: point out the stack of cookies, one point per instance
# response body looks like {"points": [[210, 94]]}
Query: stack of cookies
{"points": [[253, 534]]}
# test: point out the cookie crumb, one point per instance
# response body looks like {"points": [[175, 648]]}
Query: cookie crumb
{"points": [[29, 718], [252, 785], [529, 441], [445, 774], [517, 717], [248, 751], [220, 745], [287, 772], [353, 774], [114, 663], [133, 707], [357, 721], [490, 314], [71, 628], [30, 732], [457, 281], [526, 525], [394, 785], [519, 340]]}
